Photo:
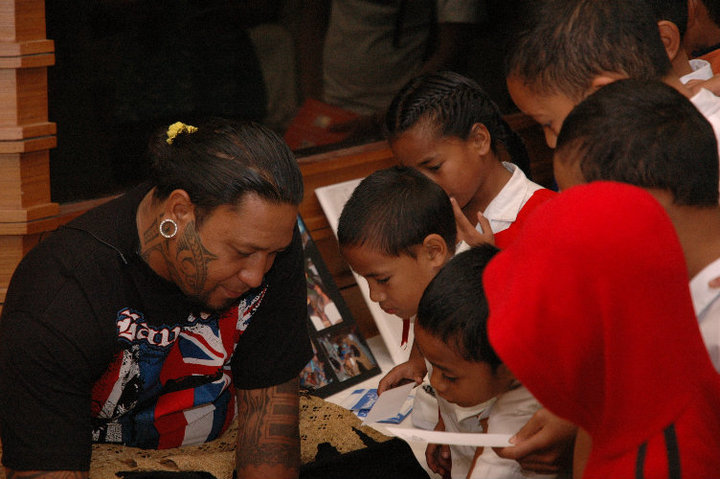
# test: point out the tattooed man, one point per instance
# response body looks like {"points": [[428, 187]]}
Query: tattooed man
{"points": [[152, 319]]}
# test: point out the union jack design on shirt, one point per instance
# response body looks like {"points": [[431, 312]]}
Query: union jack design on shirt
{"points": [[170, 386]]}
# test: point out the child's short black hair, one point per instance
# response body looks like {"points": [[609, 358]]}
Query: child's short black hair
{"points": [[647, 134], [451, 104], [394, 210], [562, 45], [675, 11], [453, 307]]}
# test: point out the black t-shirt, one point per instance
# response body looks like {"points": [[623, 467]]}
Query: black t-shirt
{"points": [[95, 346]]}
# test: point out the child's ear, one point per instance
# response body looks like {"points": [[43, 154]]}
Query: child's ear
{"points": [[435, 250], [603, 79], [480, 137], [670, 36]]}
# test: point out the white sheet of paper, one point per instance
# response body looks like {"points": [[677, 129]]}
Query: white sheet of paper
{"points": [[389, 403], [458, 438]]}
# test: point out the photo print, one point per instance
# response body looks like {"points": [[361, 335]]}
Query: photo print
{"points": [[341, 356]]}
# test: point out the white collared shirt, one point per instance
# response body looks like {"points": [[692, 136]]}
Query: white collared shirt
{"points": [[506, 413], [505, 207], [707, 309], [701, 70]]}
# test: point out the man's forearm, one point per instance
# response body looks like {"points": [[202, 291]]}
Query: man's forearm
{"points": [[268, 444]]}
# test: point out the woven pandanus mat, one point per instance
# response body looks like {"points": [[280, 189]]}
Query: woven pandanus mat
{"points": [[321, 422]]}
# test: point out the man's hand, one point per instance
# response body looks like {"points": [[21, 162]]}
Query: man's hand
{"points": [[413, 369], [543, 445], [268, 443], [467, 231], [438, 456]]}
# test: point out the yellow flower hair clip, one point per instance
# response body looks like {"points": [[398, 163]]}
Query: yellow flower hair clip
{"points": [[176, 128]]}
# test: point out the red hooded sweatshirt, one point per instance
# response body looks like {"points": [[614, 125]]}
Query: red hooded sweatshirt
{"points": [[590, 309]]}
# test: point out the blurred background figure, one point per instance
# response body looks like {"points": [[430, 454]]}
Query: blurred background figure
{"points": [[356, 54]]}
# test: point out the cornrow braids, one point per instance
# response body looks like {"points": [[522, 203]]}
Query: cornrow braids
{"points": [[451, 104]]}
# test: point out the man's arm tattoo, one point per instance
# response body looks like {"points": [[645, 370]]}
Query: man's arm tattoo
{"points": [[268, 431]]}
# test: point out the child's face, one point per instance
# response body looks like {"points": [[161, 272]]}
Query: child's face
{"points": [[566, 168], [396, 282], [454, 164], [550, 110], [457, 380]]}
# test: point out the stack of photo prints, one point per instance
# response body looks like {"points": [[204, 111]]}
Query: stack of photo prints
{"points": [[341, 356]]}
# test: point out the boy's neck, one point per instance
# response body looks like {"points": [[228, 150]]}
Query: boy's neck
{"points": [[491, 186], [674, 81], [681, 64], [699, 233], [698, 230]]}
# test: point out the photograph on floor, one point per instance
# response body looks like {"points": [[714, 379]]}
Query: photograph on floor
{"points": [[315, 374], [347, 354]]}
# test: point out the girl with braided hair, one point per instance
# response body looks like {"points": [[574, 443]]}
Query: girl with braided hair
{"points": [[447, 127]]}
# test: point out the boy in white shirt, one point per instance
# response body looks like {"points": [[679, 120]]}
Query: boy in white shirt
{"points": [[647, 134], [476, 392]]}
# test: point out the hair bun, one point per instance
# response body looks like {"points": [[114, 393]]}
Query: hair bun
{"points": [[176, 128]]}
